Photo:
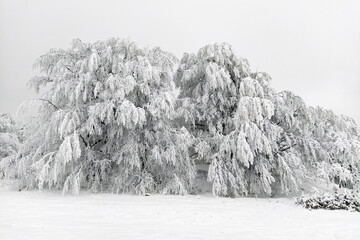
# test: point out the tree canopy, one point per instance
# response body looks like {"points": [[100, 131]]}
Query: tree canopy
{"points": [[118, 118], [106, 122]]}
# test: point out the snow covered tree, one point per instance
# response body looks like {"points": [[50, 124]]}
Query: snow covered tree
{"points": [[228, 109], [9, 142], [257, 141], [9, 138], [111, 119], [297, 148], [339, 138], [105, 123], [317, 144]]}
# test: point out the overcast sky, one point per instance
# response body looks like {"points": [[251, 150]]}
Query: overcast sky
{"points": [[309, 47]]}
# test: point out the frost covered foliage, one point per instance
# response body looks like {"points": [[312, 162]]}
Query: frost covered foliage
{"points": [[105, 124], [228, 109], [318, 145], [347, 201], [112, 120], [9, 142], [258, 142], [340, 139], [9, 136]]}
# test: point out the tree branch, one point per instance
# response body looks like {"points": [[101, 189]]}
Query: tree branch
{"points": [[45, 100], [82, 138]]}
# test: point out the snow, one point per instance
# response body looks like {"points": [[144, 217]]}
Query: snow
{"points": [[50, 215]]}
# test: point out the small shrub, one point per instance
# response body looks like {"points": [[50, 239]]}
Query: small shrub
{"points": [[348, 201]]}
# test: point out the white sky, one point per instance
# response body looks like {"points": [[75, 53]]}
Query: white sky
{"points": [[309, 47]]}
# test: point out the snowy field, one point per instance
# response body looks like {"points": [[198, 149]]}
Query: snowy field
{"points": [[49, 215]]}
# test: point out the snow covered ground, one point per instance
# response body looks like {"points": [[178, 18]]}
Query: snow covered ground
{"points": [[49, 215]]}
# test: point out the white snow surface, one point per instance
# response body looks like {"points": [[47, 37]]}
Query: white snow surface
{"points": [[50, 215]]}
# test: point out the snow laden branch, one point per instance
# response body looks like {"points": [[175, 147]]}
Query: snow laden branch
{"points": [[10, 143]]}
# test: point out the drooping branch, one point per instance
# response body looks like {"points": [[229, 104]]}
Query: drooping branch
{"points": [[48, 101], [82, 138]]}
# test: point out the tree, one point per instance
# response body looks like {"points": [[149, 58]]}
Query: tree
{"points": [[340, 138], [8, 136], [228, 109], [318, 145], [112, 120], [105, 124], [10, 142], [297, 149], [257, 141]]}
